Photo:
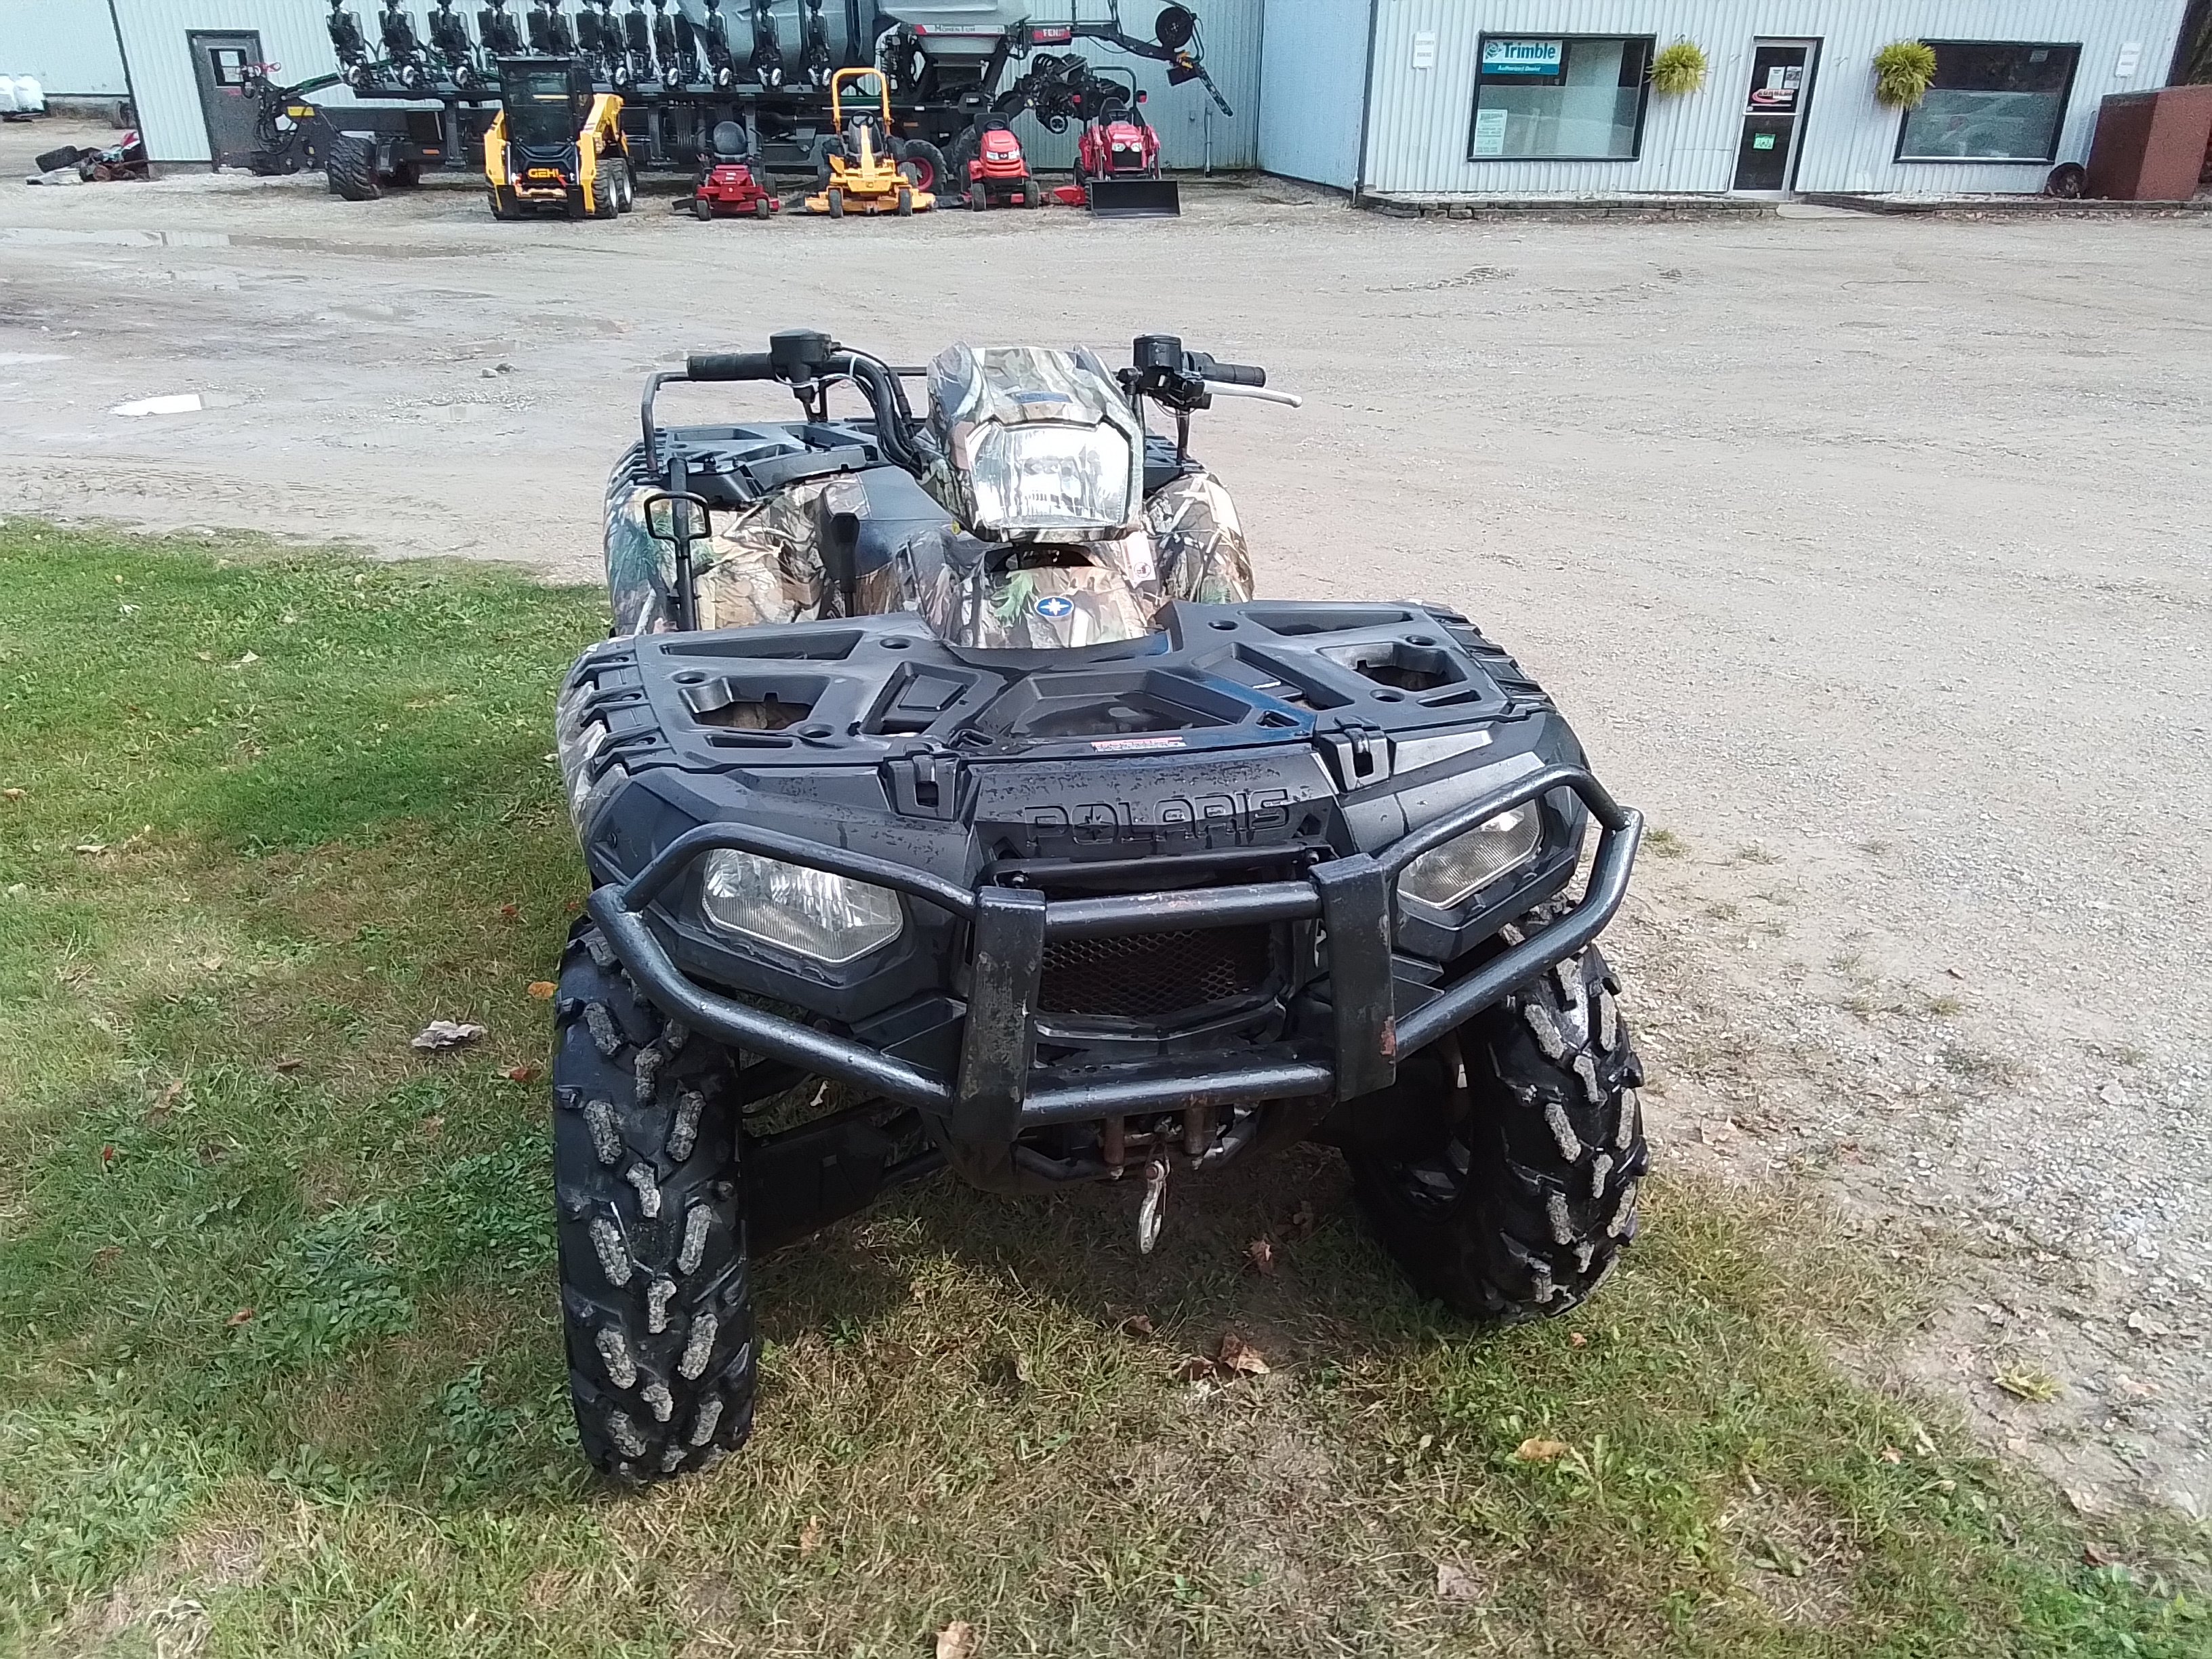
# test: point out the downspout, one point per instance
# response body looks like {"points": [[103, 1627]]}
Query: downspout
{"points": [[2188, 44], [1366, 103], [130, 88]]}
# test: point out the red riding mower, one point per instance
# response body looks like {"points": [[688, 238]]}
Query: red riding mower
{"points": [[1117, 158], [727, 182], [996, 174]]}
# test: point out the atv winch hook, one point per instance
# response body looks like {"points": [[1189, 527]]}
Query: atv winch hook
{"points": [[1150, 1208]]}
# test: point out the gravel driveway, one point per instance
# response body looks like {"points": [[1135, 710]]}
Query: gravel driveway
{"points": [[1869, 555]]}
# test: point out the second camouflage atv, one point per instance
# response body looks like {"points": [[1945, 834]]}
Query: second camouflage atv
{"points": [[944, 757]]}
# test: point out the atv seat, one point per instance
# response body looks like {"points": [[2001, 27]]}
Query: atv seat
{"points": [[727, 142]]}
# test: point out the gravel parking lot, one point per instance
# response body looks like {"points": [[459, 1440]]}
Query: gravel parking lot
{"points": [[1869, 557]]}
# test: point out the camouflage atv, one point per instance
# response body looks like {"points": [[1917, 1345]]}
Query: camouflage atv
{"points": [[947, 760]]}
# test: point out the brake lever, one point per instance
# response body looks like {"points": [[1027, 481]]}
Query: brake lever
{"points": [[1290, 400]]}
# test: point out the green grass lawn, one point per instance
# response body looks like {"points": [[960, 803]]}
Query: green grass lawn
{"points": [[281, 1368]]}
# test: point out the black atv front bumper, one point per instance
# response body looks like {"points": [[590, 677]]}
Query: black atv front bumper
{"points": [[997, 1093]]}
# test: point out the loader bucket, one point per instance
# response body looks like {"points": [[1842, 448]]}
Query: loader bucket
{"points": [[1135, 199]]}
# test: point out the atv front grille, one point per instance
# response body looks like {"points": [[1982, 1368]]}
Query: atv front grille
{"points": [[1151, 975]]}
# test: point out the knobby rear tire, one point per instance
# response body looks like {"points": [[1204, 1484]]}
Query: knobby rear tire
{"points": [[655, 1285]]}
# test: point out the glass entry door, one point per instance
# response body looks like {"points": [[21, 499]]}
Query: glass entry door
{"points": [[1773, 115]]}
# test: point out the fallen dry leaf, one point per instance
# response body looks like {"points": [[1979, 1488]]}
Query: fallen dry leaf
{"points": [[1577, 1340], [522, 1074], [165, 1102], [1890, 1455], [1238, 1358], [510, 911], [240, 1317], [810, 1535], [1261, 1255], [956, 1641], [286, 1063], [1535, 1451], [2092, 1556], [442, 1034], [107, 1155], [1456, 1583], [1136, 1325], [542, 989], [11, 794], [90, 848], [1194, 1368]]}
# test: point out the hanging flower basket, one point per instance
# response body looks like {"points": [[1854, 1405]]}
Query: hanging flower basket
{"points": [[1902, 72], [1678, 69]]}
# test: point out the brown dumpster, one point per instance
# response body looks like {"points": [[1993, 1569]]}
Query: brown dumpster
{"points": [[2150, 146]]}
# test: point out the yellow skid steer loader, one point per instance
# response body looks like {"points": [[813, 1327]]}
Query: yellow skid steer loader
{"points": [[556, 143]]}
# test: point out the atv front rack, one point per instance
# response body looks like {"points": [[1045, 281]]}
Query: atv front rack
{"points": [[991, 1097]]}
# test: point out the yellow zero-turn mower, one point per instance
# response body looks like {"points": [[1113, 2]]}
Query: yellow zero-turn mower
{"points": [[556, 143], [854, 172]]}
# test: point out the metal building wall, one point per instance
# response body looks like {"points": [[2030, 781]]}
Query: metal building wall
{"points": [[1192, 131], [294, 37], [67, 46], [1313, 75], [1420, 118]]}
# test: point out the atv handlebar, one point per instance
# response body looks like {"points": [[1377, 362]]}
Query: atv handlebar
{"points": [[730, 366]]}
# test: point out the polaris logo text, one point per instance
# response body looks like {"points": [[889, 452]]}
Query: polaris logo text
{"points": [[1245, 812]]}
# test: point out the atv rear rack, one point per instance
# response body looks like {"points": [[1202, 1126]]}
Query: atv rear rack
{"points": [[991, 1096]]}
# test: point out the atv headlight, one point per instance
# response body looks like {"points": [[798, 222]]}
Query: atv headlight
{"points": [[832, 919], [1445, 876], [1044, 476]]}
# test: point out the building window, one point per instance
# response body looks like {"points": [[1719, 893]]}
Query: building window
{"points": [[1991, 100], [1560, 98], [1576, 97]]}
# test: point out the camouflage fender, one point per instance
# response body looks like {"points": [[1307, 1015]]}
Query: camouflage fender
{"points": [[1197, 541]]}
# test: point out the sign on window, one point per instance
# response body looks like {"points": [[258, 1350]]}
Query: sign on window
{"points": [[1521, 56]]}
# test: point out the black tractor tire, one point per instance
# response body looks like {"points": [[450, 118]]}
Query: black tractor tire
{"points": [[761, 209], [836, 202], [503, 204], [350, 167], [703, 209], [978, 197], [1518, 1209], [625, 186], [606, 193], [656, 1290], [930, 171], [1032, 194], [905, 208]]}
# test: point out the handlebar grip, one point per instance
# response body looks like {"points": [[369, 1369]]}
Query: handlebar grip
{"points": [[1227, 373], [729, 366]]}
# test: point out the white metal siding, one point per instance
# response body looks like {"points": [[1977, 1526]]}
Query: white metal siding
{"points": [[1191, 129], [1421, 118], [67, 46], [293, 36], [1313, 73]]}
